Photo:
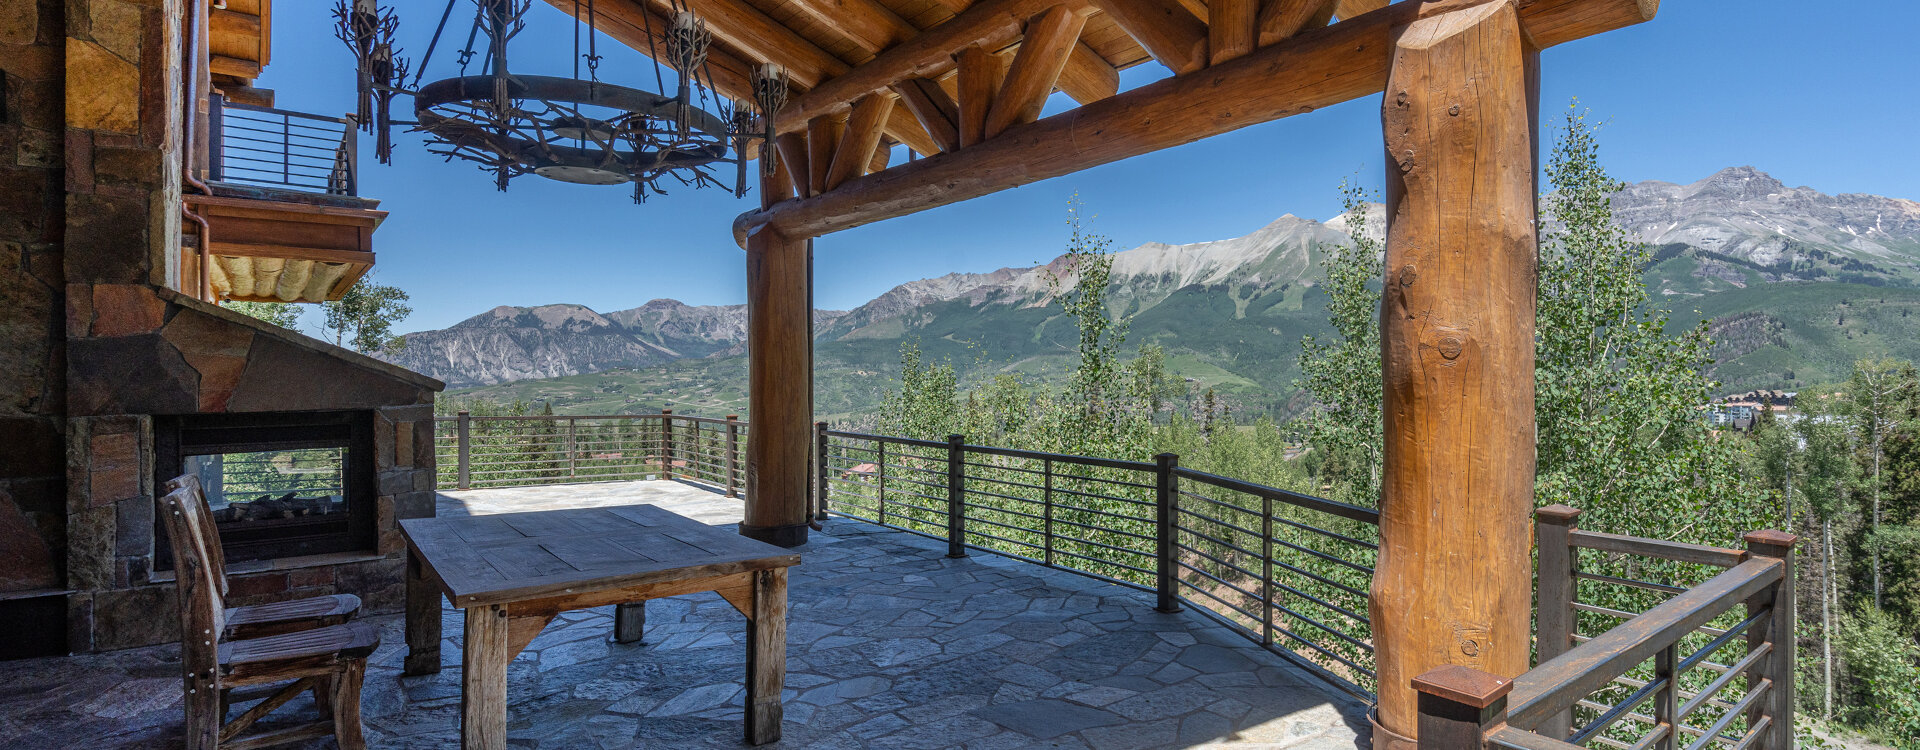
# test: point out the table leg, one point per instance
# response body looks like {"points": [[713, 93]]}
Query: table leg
{"points": [[630, 622], [423, 620], [483, 685], [766, 656]]}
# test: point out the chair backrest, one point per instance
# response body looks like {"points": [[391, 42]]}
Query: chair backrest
{"points": [[209, 532], [202, 613]]}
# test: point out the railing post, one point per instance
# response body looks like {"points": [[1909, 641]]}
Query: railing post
{"points": [[1666, 703], [956, 496], [1266, 569], [880, 479], [1776, 629], [573, 447], [352, 144], [1554, 627], [1046, 507], [1458, 705], [216, 164], [461, 428], [733, 455], [820, 450], [666, 444], [286, 150], [1164, 530]]}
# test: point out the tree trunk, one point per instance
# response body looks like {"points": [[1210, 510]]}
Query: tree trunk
{"points": [[1453, 584], [1826, 615], [1874, 544]]}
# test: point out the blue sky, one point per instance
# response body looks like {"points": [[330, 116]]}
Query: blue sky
{"points": [[1814, 98]]}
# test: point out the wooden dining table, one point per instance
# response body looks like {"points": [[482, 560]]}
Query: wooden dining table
{"points": [[513, 573]]}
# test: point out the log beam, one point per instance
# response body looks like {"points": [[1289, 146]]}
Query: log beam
{"points": [[1168, 31], [936, 112], [991, 24], [1232, 29], [1453, 584], [1043, 54], [1328, 66], [1281, 19], [779, 388], [859, 139]]}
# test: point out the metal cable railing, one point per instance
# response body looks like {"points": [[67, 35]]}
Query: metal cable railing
{"points": [[479, 452], [1288, 571], [281, 148]]}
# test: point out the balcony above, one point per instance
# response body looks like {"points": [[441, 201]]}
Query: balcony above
{"points": [[283, 216]]}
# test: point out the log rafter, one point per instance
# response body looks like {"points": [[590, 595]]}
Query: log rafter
{"points": [[859, 139], [979, 82], [1088, 77], [1315, 69], [1281, 19], [991, 24], [1166, 29], [933, 108], [1043, 55], [1232, 29], [866, 23]]}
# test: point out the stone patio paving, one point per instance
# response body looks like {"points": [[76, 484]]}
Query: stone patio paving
{"points": [[891, 645]]}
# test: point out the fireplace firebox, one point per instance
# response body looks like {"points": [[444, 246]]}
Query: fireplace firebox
{"points": [[280, 484]]}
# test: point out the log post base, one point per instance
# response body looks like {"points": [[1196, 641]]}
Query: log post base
{"points": [[791, 535]]}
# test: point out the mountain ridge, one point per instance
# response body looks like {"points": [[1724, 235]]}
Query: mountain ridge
{"points": [[1736, 229]]}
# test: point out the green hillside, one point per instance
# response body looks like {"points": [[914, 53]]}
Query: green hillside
{"points": [[1796, 334]]}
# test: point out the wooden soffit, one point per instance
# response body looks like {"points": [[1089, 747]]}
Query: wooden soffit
{"points": [[283, 251]]}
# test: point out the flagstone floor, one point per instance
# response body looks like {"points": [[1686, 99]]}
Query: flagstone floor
{"points": [[891, 645]]}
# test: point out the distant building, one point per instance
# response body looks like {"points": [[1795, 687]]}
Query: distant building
{"points": [[1775, 398]]}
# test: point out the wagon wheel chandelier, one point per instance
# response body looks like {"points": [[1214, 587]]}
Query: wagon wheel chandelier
{"points": [[572, 129]]}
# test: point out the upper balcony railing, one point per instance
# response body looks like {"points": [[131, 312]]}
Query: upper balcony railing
{"points": [[282, 149], [1642, 643]]}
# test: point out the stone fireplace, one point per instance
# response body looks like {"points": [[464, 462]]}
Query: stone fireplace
{"points": [[307, 452], [113, 380]]}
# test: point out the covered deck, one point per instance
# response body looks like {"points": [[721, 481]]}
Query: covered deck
{"points": [[891, 644]]}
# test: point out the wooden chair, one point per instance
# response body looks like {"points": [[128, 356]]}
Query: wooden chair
{"points": [[262, 619], [331, 661]]}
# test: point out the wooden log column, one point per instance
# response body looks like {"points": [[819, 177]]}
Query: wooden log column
{"points": [[779, 388], [1452, 584]]}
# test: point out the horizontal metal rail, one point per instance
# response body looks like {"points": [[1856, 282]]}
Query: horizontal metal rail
{"points": [[1560, 683]]}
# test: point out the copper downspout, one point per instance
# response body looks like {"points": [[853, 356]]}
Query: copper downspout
{"points": [[189, 137]]}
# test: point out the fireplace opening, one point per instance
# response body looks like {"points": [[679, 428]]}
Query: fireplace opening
{"points": [[278, 485]]}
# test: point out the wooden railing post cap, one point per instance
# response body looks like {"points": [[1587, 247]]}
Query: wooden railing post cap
{"points": [[821, 424], [666, 411], [1562, 515], [733, 417], [1166, 459], [1765, 540], [1464, 685]]}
